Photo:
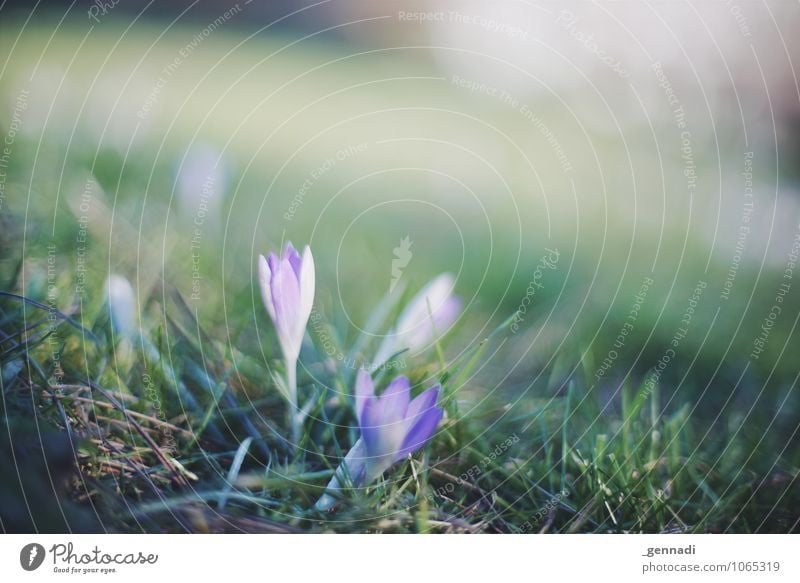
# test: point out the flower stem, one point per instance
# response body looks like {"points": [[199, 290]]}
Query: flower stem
{"points": [[295, 420]]}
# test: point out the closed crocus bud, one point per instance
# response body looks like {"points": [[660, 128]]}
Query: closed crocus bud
{"points": [[287, 289], [433, 310], [121, 304], [392, 427]]}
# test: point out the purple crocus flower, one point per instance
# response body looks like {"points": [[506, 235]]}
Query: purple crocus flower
{"points": [[287, 289], [392, 427], [433, 310]]}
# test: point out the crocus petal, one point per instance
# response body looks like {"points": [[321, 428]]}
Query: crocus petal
{"points": [[427, 301], [394, 400], [291, 255], [272, 262], [264, 280], [365, 389], [447, 314], [414, 329], [422, 431], [372, 432], [423, 417], [383, 426], [427, 331], [421, 403], [286, 300], [307, 280]]}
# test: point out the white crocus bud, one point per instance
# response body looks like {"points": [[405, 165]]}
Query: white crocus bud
{"points": [[121, 302]]}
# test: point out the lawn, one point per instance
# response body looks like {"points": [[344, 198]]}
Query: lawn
{"points": [[606, 372]]}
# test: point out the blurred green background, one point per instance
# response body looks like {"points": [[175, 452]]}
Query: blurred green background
{"points": [[188, 140]]}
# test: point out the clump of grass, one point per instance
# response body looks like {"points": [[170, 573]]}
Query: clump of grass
{"points": [[174, 431]]}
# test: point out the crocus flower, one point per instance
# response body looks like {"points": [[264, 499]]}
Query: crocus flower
{"points": [[201, 184], [392, 427], [433, 310], [287, 289], [121, 304]]}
